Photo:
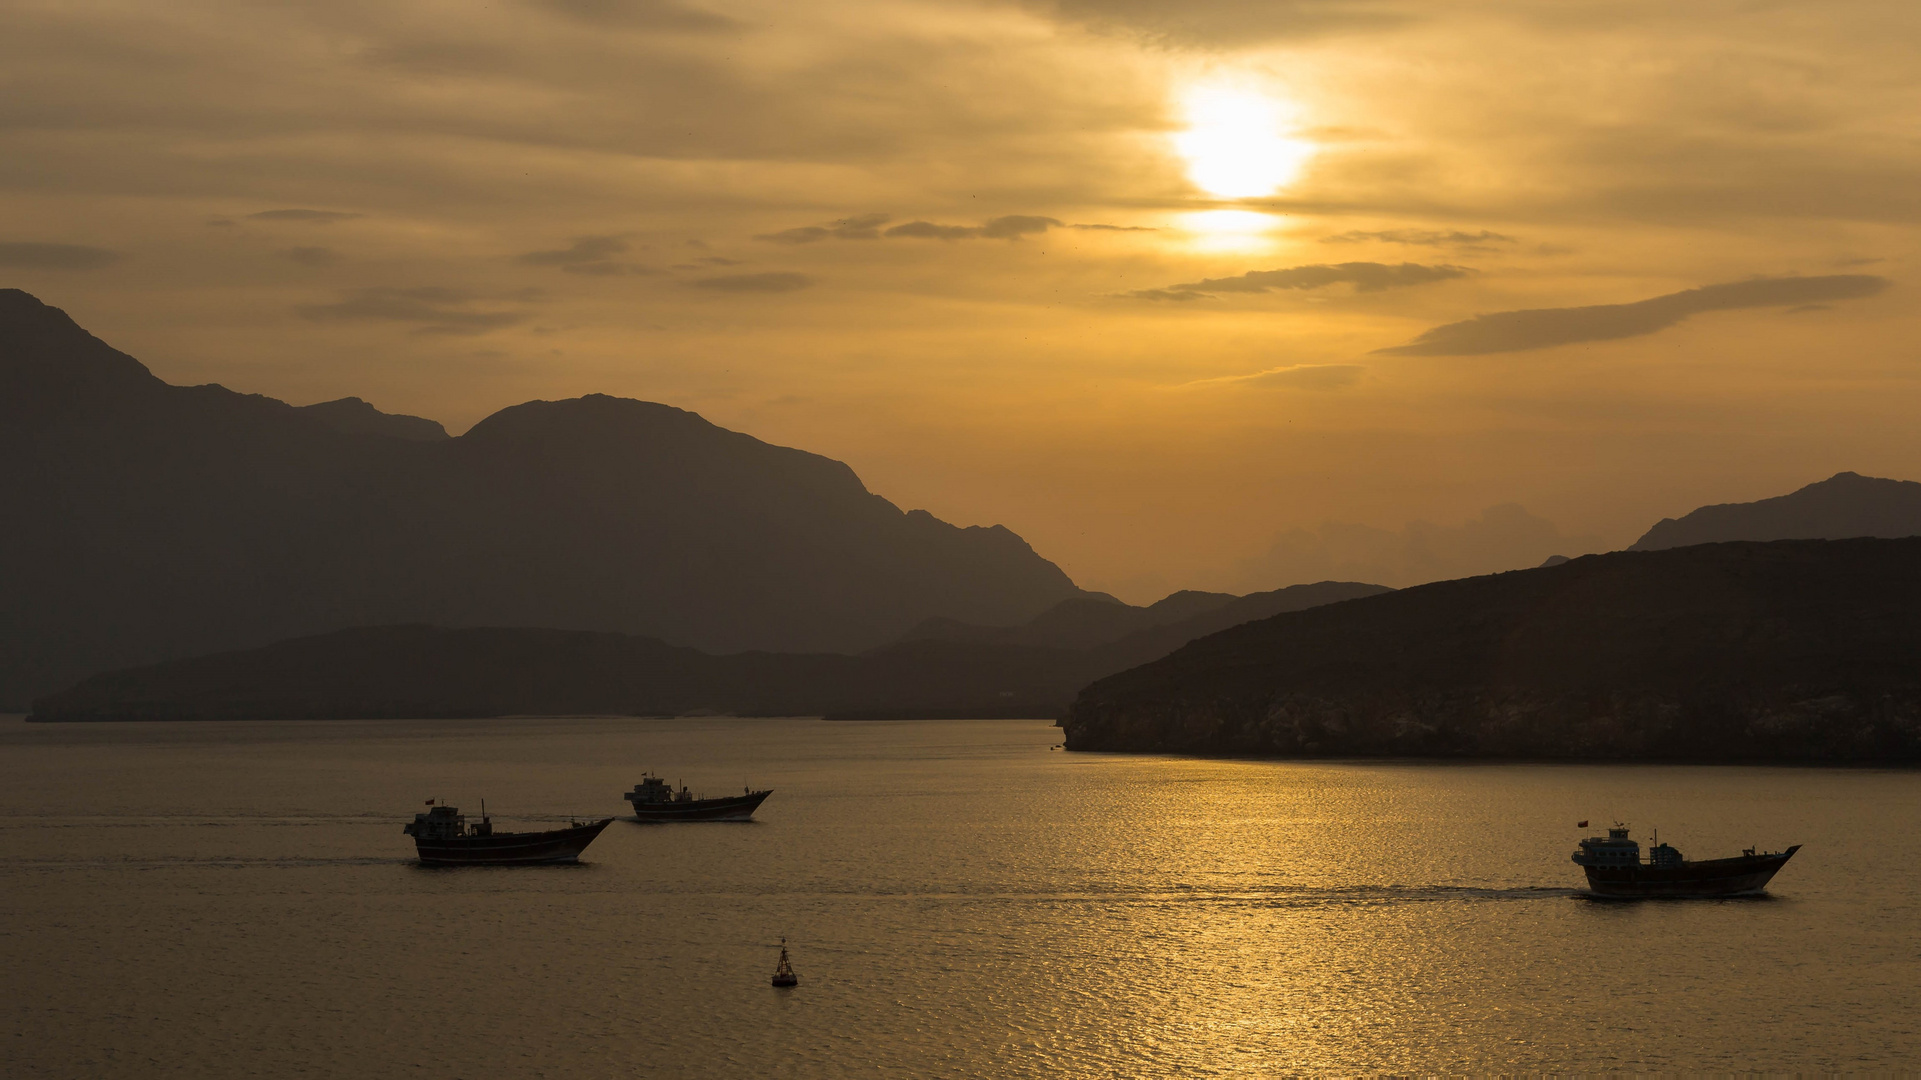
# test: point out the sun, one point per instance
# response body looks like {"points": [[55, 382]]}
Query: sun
{"points": [[1237, 142], [1229, 230]]}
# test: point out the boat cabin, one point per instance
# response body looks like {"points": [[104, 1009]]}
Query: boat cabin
{"points": [[653, 791], [1617, 850], [447, 823]]}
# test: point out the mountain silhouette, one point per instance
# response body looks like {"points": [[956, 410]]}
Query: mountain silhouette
{"points": [[1842, 506], [1080, 623], [354, 416], [1122, 635], [394, 672], [150, 521], [1796, 650]]}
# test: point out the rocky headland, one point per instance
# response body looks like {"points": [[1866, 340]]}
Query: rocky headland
{"points": [[1792, 651]]}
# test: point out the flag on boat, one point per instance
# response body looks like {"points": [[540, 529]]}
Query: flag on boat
{"points": [[1580, 824]]}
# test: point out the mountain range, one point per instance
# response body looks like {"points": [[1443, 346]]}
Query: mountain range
{"points": [[149, 521], [1842, 506], [192, 551], [391, 672]]}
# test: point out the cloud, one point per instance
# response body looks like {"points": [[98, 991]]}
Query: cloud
{"points": [[1015, 226], [1482, 240], [1227, 23], [1294, 377], [311, 256], [640, 14], [588, 255], [1540, 328], [1010, 227], [28, 255], [927, 230], [311, 217], [867, 227], [858, 227], [585, 249], [1364, 276], [1308, 377], [608, 269], [1504, 537], [772, 282], [435, 309]]}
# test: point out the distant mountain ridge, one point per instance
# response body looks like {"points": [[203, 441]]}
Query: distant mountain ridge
{"points": [[1842, 506], [354, 416], [151, 521], [401, 672], [1114, 631], [395, 672], [1080, 623], [1795, 650]]}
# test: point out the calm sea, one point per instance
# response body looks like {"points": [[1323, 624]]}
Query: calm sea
{"points": [[237, 900]]}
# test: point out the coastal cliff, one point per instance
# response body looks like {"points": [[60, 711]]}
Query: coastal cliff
{"points": [[1788, 651]]}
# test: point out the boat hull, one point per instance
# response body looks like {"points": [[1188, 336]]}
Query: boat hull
{"points": [[731, 808], [1743, 875], [511, 849]]}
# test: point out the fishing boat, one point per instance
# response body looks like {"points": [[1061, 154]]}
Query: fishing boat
{"points": [[784, 971], [443, 837], [654, 800], [1614, 869]]}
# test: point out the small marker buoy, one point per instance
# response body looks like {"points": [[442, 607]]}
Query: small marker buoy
{"points": [[784, 971]]}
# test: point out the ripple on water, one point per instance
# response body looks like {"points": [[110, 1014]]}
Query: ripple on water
{"points": [[239, 901]]}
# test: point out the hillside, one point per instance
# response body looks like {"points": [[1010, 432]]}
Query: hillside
{"points": [[150, 521], [394, 672], [1129, 635], [1786, 651], [1842, 506]]}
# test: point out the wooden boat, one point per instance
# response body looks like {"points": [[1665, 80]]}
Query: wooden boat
{"points": [[655, 800], [1614, 869], [443, 837]]}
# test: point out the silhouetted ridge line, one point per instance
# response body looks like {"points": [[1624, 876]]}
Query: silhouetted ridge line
{"points": [[1842, 506], [1122, 635], [352, 415], [1788, 651], [172, 521], [396, 672]]}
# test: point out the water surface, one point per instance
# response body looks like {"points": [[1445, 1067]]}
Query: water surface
{"points": [[237, 900]]}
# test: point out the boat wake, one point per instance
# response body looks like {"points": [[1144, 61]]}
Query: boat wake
{"points": [[1260, 897], [187, 862]]}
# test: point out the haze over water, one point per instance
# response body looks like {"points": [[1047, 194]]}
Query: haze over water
{"points": [[238, 900]]}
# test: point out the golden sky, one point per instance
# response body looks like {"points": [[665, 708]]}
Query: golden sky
{"points": [[1205, 294]]}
